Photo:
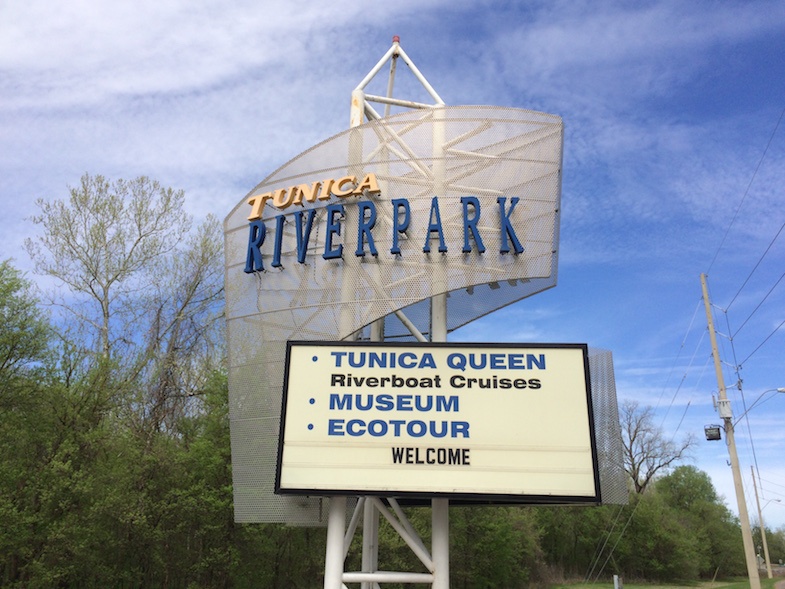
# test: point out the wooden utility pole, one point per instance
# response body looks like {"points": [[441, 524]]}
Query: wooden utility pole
{"points": [[762, 527], [727, 416]]}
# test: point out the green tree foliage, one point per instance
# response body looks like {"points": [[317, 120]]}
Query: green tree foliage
{"points": [[23, 343], [85, 502], [493, 547], [776, 542], [120, 474], [657, 545], [679, 529], [570, 538], [116, 469], [690, 517], [702, 512], [25, 332]]}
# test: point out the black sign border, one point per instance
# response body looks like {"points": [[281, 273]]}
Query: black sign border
{"points": [[418, 497]]}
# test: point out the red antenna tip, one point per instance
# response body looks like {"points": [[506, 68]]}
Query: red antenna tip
{"points": [[396, 39]]}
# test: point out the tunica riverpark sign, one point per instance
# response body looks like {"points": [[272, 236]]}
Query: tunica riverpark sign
{"points": [[366, 227], [475, 422]]}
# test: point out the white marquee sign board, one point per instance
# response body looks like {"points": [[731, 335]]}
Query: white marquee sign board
{"points": [[502, 421]]}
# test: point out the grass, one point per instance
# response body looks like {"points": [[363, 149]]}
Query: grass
{"points": [[733, 584]]}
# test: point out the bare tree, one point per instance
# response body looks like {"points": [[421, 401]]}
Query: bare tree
{"points": [[183, 342], [101, 241], [145, 292], [647, 450]]}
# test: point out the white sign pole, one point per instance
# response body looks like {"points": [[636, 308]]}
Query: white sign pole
{"points": [[440, 508], [334, 557]]}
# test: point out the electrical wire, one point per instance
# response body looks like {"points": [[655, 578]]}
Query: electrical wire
{"points": [[775, 484], [746, 192], [598, 553], [771, 243], [760, 303], [621, 535], [730, 339], [683, 378], [737, 371], [768, 337], [678, 355], [607, 534]]}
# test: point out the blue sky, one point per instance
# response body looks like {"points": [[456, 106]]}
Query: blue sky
{"points": [[674, 163]]}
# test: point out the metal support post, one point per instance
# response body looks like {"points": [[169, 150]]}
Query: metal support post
{"points": [[370, 556], [440, 543], [334, 557], [373, 508], [440, 508]]}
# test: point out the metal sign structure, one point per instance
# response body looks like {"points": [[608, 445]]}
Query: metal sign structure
{"points": [[372, 235]]}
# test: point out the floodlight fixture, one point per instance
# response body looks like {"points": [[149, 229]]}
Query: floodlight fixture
{"points": [[713, 432]]}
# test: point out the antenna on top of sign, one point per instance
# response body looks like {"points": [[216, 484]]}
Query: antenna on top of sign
{"points": [[437, 562], [361, 102]]}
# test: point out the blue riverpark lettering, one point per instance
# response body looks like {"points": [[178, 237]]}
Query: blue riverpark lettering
{"points": [[366, 239]]}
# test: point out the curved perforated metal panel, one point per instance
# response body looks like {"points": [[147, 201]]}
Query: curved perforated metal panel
{"points": [[607, 430]]}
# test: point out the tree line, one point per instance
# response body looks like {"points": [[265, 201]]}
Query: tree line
{"points": [[116, 469]]}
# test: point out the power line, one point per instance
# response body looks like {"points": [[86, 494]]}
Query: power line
{"points": [[756, 267], [760, 303], [773, 483], [600, 549], [768, 337], [746, 192], [689, 366]]}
